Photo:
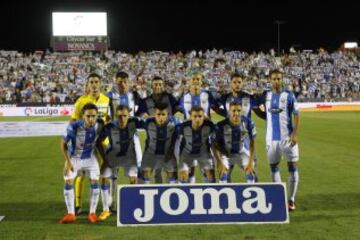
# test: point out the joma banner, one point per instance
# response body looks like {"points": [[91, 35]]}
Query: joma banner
{"points": [[140, 205]]}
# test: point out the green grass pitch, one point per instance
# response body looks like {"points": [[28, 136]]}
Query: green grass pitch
{"points": [[31, 189]]}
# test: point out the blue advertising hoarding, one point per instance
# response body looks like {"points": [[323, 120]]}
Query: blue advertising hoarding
{"points": [[140, 205]]}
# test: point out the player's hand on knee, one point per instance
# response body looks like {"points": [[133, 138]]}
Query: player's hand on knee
{"points": [[133, 180], [249, 169], [183, 175], [293, 140], [221, 168]]}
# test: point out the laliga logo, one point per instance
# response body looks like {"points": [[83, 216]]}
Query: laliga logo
{"points": [[28, 111], [255, 202]]}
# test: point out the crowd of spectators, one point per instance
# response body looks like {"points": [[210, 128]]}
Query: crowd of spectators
{"points": [[53, 77]]}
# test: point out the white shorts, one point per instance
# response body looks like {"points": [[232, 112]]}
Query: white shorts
{"points": [[187, 161], [242, 160], [152, 161], [128, 162], [277, 149], [90, 166]]}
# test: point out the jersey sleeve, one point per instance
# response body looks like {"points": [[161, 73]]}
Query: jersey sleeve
{"points": [[142, 108], [179, 130], [212, 126], [251, 129], [137, 98], [212, 101], [70, 132], [77, 110], [215, 135], [180, 105], [258, 100], [292, 104], [254, 103], [105, 132], [173, 103]]}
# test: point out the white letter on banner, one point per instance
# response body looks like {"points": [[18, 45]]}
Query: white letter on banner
{"points": [[260, 198], [148, 206], [182, 199], [215, 201]]}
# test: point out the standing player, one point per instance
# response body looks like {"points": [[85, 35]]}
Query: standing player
{"points": [[82, 136], [233, 143], [281, 133], [120, 153], [160, 142], [147, 106], [93, 95], [121, 95], [193, 137]]}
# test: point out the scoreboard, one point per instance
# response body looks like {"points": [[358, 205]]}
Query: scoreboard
{"points": [[79, 31]]}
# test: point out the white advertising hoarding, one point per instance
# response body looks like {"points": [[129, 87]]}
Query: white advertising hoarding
{"points": [[12, 111]]}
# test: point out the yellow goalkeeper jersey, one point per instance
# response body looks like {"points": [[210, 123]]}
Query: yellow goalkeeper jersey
{"points": [[103, 104]]}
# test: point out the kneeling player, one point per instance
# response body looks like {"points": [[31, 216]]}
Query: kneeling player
{"points": [[120, 153], [193, 137], [82, 136], [160, 141], [233, 143]]}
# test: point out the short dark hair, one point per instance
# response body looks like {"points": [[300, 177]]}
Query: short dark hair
{"points": [[237, 75], [122, 74], [122, 107], [196, 108], [93, 75], [157, 78], [235, 103], [161, 106], [275, 71], [89, 106]]}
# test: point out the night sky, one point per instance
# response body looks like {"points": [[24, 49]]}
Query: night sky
{"points": [[184, 25]]}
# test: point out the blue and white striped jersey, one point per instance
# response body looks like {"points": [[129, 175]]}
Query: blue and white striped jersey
{"points": [[82, 140], [121, 139], [159, 139], [130, 99], [234, 139], [247, 103], [279, 110], [195, 142], [204, 100]]}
